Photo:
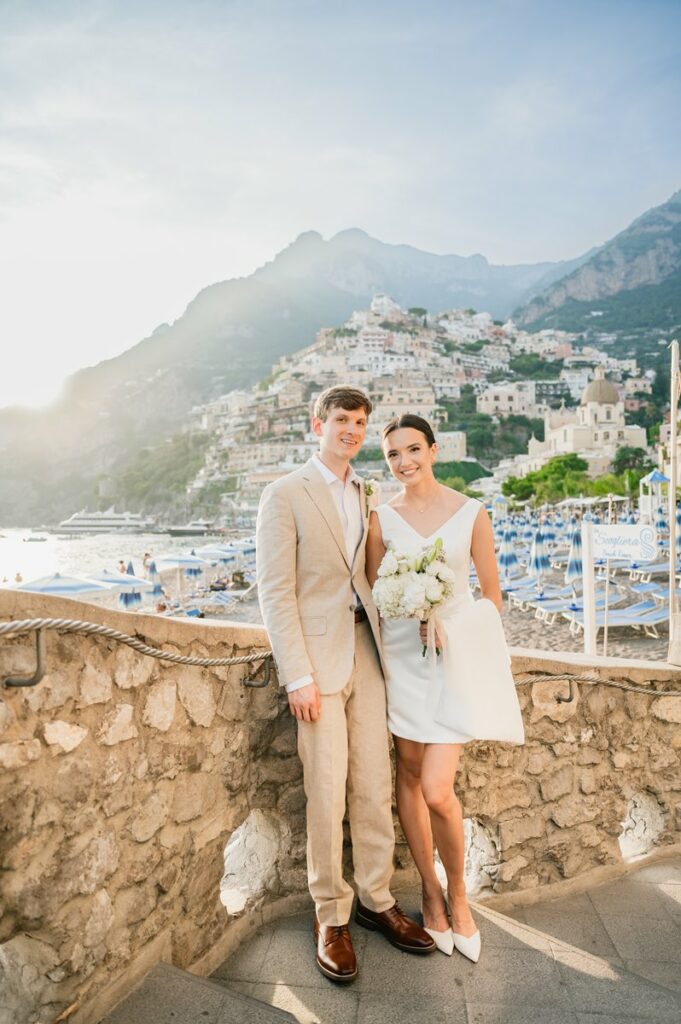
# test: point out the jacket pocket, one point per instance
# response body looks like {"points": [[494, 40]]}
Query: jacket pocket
{"points": [[313, 625]]}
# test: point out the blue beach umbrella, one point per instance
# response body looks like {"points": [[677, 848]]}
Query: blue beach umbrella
{"points": [[507, 556], [660, 521], [64, 586], [154, 579], [539, 559], [574, 568]]}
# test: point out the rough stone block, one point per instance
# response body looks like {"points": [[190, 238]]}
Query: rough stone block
{"points": [[510, 868], [95, 685], [135, 903], [56, 689], [152, 817], [118, 726], [100, 920], [502, 797], [159, 709], [132, 669], [7, 718], [667, 709], [87, 871], [64, 736], [519, 830], [589, 755], [19, 754], [539, 760], [545, 704], [558, 784], [573, 810], [193, 795], [588, 783], [195, 691]]}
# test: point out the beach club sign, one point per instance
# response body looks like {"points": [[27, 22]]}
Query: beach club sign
{"points": [[635, 543]]}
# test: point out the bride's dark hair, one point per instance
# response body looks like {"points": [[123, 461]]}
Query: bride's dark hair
{"points": [[410, 419]]}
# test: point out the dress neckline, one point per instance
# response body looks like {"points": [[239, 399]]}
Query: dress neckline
{"points": [[440, 527]]}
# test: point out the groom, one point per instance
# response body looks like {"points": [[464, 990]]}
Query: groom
{"points": [[317, 607]]}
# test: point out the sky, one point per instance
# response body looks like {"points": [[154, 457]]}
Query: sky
{"points": [[149, 149]]}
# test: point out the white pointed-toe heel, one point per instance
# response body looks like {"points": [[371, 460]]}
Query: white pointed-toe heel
{"points": [[443, 940], [468, 945]]}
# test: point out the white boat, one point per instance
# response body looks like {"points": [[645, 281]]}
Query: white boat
{"points": [[196, 528], [107, 522]]}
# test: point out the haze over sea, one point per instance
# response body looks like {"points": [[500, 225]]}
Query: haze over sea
{"points": [[81, 555]]}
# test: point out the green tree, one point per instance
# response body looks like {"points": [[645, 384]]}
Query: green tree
{"points": [[627, 457]]}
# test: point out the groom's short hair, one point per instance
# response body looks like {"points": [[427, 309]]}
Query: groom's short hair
{"points": [[341, 397]]}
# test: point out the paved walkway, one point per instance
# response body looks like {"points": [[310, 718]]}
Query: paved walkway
{"points": [[609, 956]]}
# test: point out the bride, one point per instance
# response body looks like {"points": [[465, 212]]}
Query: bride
{"points": [[428, 751]]}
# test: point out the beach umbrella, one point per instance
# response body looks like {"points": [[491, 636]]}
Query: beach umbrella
{"points": [[660, 521], [507, 556], [574, 567], [130, 587], [549, 532], [64, 586], [182, 563], [539, 559], [631, 519], [154, 579]]}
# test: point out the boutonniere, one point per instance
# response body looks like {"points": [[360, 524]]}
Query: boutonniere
{"points": [[371, 492]]}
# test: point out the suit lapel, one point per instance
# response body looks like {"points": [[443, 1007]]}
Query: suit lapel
{"points": [[318, 490]]}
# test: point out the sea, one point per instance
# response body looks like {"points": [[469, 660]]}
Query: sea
{"points": [[80, 555]]}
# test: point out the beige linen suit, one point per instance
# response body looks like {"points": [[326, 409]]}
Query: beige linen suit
{"points": [[305, 588]]}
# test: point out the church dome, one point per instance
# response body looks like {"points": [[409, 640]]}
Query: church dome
{"points": [[600, 390]]}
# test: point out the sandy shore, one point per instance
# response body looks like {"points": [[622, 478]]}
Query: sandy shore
{"points": [[524, 630]]}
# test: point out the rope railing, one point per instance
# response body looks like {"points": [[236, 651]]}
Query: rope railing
{"points": [[78, 626]]}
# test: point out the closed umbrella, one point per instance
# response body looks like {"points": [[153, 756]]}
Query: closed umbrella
{"points": [[660, 521], [539, 559], [574, 568], [154, 579], [507, 556]]}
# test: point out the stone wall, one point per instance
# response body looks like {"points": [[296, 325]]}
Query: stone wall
{"points": [[148, 809]]}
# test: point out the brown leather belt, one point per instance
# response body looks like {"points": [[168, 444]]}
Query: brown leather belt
{"points": [[360, 615]]}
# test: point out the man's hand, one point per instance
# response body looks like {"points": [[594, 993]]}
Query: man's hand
{"points": [[306, 703]]}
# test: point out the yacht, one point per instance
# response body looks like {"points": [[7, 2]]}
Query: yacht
{"points": [[107, 522], [196, 528]]}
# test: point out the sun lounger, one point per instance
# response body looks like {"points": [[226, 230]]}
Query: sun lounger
{"points": [[645, 615]]}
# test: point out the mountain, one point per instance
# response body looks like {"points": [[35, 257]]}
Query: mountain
{"points": [[632, 282], [229, 336]]}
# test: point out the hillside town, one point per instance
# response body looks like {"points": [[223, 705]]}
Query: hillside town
{"points": [[413, 360]]}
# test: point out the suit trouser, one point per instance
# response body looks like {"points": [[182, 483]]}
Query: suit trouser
{"points": [[345, 753]]}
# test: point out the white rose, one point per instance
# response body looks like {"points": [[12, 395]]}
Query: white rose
{"points": [[388, 566], [434, 590], [431, 568], [446, 574], [414, 595]]}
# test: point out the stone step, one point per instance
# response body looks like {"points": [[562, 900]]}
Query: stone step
{"points": [[169, 995]]}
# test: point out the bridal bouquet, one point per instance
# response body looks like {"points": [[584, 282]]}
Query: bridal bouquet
{"points": [[413, 586]]}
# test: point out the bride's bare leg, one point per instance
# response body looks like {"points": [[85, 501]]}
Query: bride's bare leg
{"points": [[415, 822], [438, 770]]}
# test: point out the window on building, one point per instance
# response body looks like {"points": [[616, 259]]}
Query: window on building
{"points": [[606, 435], [608, 414]]}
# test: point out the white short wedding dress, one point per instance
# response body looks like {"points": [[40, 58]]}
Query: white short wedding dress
{"points": [[467, 692]]}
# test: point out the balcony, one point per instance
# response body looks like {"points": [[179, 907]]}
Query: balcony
{"points": [[153, 813]]}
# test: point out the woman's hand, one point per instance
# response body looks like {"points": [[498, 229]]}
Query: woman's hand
{"points": [[423, 633]]}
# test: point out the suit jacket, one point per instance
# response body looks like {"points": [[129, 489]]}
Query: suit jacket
{"points": [[305, 582]]}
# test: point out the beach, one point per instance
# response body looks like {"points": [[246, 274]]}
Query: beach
{"points": [[522, 629]]}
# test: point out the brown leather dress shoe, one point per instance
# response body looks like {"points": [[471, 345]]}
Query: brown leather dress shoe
{"points": [[335, 955], [398, 929]]}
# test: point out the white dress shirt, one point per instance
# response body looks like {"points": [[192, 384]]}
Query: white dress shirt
{"points": [[347, 499]]}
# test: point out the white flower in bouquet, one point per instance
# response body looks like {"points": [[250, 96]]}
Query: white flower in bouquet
{"points": [[389, 565], [413, 587]]}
